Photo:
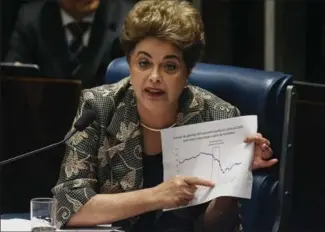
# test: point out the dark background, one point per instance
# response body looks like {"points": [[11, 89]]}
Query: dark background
{"points": [[235, 36]]}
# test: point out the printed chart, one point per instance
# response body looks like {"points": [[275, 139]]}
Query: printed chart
{"points": [[217, 154], [221, 169]]}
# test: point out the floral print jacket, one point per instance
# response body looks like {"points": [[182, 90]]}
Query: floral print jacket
{"points": [[107, 156]]}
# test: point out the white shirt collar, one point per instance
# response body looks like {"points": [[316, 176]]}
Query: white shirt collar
{"points": [[66, 18]]}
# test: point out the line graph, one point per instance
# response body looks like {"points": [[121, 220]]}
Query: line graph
{"points": [[220, 168]]}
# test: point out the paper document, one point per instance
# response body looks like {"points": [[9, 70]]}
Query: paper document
{"points": [[17, 224], [214, 151]]}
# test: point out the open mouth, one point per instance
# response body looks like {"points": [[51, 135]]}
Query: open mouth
{"points": [[154, 92]]}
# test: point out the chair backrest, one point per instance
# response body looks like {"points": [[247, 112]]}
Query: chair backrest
{"points": [[254, 92]]}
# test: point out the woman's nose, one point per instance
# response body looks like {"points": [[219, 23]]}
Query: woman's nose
{"points": [[155, 76]]}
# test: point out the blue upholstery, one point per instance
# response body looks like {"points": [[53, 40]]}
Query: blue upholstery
{"points": [[253, 92]]}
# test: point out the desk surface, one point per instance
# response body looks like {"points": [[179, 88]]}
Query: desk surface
{"points": [[23, 220], [16, 215]]}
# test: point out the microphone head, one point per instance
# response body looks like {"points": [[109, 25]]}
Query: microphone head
{"points": [[85, 120]]}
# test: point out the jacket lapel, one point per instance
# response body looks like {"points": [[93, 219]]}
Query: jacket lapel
{"points": [[190, 107], [126, 154], [53, 34], [103, 34]]}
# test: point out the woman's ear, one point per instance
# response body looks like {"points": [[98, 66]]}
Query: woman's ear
{"points": [[186, 84]]}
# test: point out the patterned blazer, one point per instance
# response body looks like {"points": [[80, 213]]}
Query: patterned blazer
{"points": [[107, 156]]}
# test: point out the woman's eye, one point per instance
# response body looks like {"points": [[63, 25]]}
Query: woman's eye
{"points": [[170, 67], [143, 64]]}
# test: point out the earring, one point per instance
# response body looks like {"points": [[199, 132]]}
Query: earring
{"points": [[186, 84]]}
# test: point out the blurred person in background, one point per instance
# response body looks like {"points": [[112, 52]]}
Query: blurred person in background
{"points": [[72, 39]]}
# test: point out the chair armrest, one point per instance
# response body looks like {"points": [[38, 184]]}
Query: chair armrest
{"points": [[259, 212]]}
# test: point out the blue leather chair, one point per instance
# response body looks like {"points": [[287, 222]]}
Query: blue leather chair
{"points": [[271, 96]]}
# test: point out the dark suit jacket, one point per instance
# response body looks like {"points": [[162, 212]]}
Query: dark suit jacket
{"points": [[39, 38]]}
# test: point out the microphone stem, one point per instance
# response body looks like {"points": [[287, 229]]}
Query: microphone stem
{"points": [[68, 136]]}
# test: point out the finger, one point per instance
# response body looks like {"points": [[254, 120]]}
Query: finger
{"points": [[263, 141], [192, 188], [265, 147], [182, 202], [251, 138], [187, 195], [267, 152], [192, 180], [266, 155], [257, 138], [268, 163]]}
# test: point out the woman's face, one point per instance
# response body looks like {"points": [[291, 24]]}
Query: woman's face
{"points": [[81, 6], [158, 74]]}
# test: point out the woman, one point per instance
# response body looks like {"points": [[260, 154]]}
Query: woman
{"points": [[112, 172]]}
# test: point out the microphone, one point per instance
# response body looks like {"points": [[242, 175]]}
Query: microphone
{"points": [[84, 121]]}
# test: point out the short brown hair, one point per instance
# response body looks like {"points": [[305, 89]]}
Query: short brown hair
{"points": [[175, 21]]}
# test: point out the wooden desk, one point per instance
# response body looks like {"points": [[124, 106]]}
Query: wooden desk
{"points": [[35, 112]]}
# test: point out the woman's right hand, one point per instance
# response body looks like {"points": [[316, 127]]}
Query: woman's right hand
{"points": [[178, 191]]}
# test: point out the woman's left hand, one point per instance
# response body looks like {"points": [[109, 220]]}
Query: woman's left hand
{"points": [[262, 153]]}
